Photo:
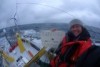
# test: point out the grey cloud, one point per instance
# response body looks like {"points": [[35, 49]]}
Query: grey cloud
{"points": [[50, 11]]}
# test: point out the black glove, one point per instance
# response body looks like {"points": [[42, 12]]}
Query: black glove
{"points": [[51, 50], [43, 64]]}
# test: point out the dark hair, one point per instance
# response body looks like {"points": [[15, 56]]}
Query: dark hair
{"points": [[84, 35]]}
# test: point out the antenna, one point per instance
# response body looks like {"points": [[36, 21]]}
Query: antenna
{"points": [[46, 6]]}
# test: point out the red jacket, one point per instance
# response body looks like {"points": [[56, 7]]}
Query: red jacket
{"points": [[84, 45]]}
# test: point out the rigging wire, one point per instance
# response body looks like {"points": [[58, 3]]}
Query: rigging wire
{"points": [[47, 6]]}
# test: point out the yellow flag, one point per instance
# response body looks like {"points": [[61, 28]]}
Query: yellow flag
{"points": [[8, 58], [20, 43]]}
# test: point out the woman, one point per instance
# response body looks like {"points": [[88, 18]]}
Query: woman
{"points": [[76, 49]]}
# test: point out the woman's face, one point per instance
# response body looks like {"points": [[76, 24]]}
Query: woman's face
{"points": [[76, 29]]}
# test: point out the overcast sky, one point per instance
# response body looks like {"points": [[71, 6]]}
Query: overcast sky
{"points": [[48, 11]]}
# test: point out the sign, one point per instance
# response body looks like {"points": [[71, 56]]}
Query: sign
{"points": [[51, 38]]}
